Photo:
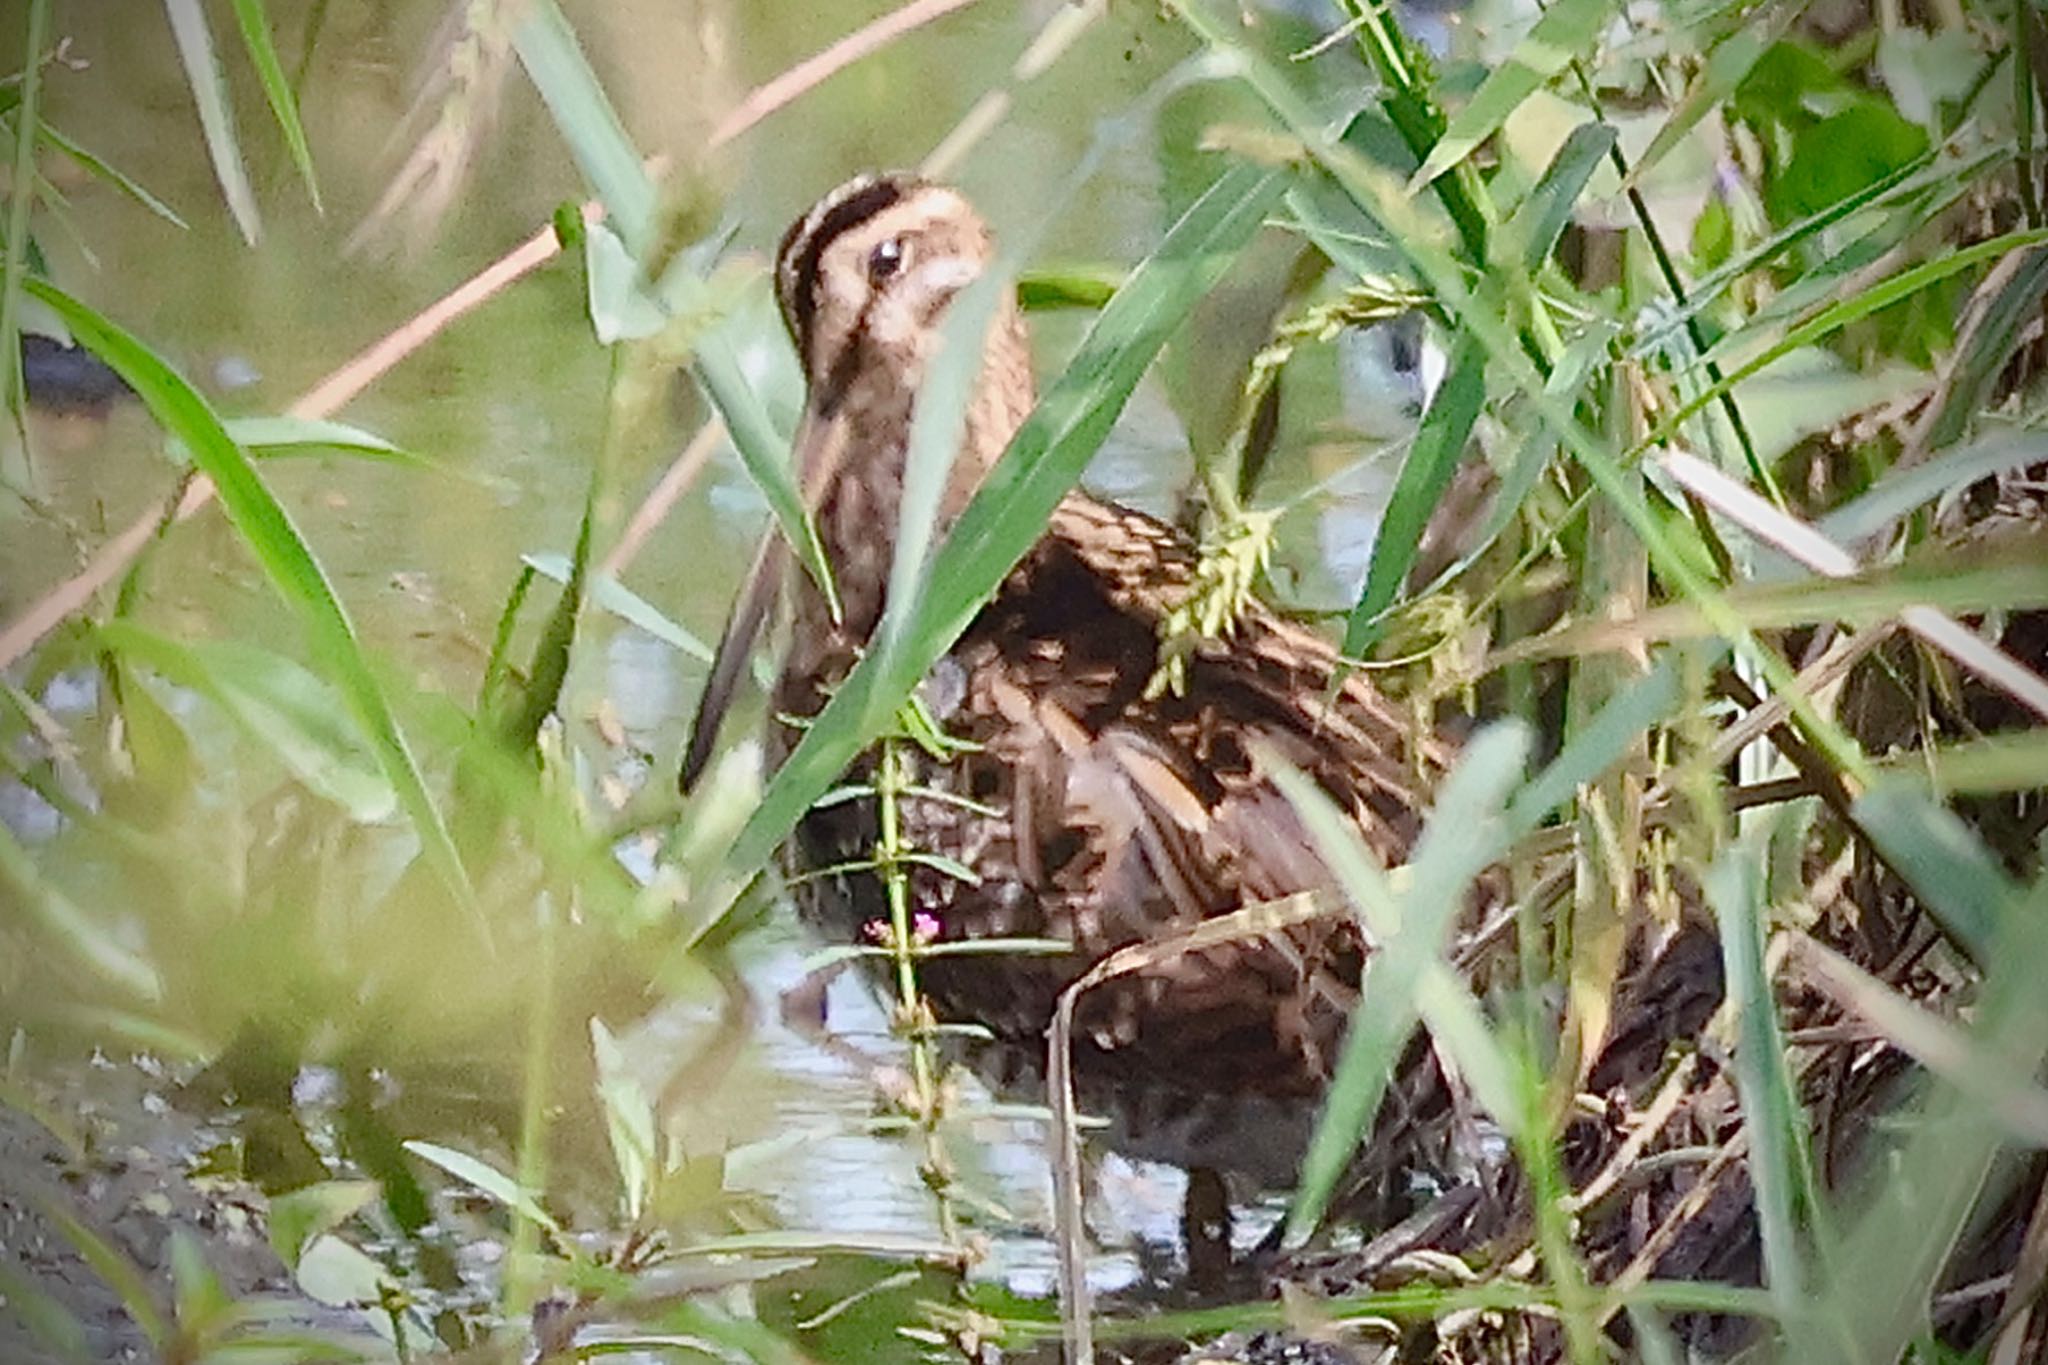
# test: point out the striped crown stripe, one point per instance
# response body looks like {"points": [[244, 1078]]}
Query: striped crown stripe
{"points": [[803, 246]]}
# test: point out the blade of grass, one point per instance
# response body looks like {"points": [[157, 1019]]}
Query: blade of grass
{"points": [[615, 597], [1901, 489], [287, 561], [284, 106], [1540, 219], [1432, 459], [216, 118], [97, 946], [1567, 27], [1893, 1259], [1725, 68], [1954, 875], [764, 451], [1019, 495], [1641, 705], [27, 117], [555, 64], [278, 704], [111, 174], [1780, 1169], [1466, 831], [1831, 319], [488, 1179], [1474, 307]]}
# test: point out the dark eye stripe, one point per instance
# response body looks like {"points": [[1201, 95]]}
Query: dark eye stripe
{"points": [[810, 235]]}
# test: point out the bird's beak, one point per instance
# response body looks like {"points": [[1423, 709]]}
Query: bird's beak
{"points": [[819, 450]]}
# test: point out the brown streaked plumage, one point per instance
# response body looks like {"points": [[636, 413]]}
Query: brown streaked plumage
{"points": [[1116, 818]]}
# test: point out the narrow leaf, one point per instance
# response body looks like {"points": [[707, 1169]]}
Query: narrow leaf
{"points": [[216, 119], [1542, 216], [267, 529], [1567, 28], [284, 105], [1432, 459], [486, 1178], [555, 63]]}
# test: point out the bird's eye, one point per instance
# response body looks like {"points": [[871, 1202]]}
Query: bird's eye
{"points": [[885, 260]]}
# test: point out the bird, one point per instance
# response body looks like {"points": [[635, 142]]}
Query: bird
{"points": [[1092, 805]]}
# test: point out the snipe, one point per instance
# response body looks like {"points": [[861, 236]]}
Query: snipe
{"points": [[1102, 816]]}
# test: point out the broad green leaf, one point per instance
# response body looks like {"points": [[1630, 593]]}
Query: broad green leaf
{"points": [[267, 529], [1014, 503], [284, 106], [300, 1217], [1566, 29], [216, 118], [201, 1300]]}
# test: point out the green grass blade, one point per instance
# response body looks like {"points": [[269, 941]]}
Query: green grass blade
{"points": [[1467, 830], [1893, 1259], [937, 428], [608, 594], [267, 529], [94, 944], [1566, 28], [278, 704], [1838, 315], [488, 1179], [764, 450], [216, 118], [1922, 175], [1905, 488], [48, 1321], [1946, 864], [1019, 495], [1646, 702], [1432, 459], [1771, 1111], [26, 121], [113, 1265], [1988, 344], [284, 105], [111, 174], [1726, 67], [1540, 219], [555, 64]]}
